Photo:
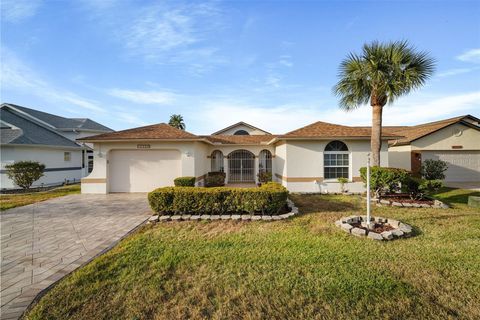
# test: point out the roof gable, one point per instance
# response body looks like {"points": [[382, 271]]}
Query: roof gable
{"points": [[238, 125], [413, 133], [161, 131]]}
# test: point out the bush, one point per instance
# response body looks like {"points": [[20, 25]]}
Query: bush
{"points": [[431, 185], [270, 199], [433, 169], [418, 188], [25, 173], [215, 179], [184, 182], [385, 180], [264, 176]]}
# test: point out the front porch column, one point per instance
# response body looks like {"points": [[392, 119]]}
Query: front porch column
{"points": [[225, 168], [255, 170]]}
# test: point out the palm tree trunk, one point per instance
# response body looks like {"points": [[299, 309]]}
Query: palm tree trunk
{"points": [[376, 138]]}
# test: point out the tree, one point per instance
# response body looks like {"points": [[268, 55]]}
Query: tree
{"points": [[25, 173], [176, 121], [382, 73]]}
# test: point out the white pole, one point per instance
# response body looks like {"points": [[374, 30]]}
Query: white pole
{"points": [[368, 190]]}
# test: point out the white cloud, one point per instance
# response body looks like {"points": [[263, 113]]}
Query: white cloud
{"points": [[143, 97], [16, 75], [213, 114], [172, 32], [18, 10], [454, 72], [472, 55], [130, 118]]}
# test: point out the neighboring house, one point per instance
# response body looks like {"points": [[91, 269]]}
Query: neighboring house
{"points": [[28, 134], [455, 140], [309, 159]]}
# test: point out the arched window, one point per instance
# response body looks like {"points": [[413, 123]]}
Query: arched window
{"points": [[336, 161], [265, 161], [217, 161], [241, 133]]}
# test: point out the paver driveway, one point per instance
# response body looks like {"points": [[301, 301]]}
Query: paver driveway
{"points": [[43, 242]]}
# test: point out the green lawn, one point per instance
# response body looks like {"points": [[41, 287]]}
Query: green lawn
{"points": [[8, 201], [302, 268]]}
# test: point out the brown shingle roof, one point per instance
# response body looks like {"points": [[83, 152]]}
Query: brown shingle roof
{"points": [[325, 129], [156, 131], [232, 139], [416, 132]]}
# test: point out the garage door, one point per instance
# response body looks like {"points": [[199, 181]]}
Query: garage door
{"points": [[463, 166], [142, 170]]}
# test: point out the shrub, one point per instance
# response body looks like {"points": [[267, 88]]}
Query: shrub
{"points": [[384, 180], [342, 182], [184, 182], [270, 198], [25, 173], [433, 169], [264, 176], [215, 179], [418, 188], [431, 185]]}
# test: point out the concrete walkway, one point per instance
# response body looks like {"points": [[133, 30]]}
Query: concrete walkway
{"points": [[474, 186], [43, 242]]}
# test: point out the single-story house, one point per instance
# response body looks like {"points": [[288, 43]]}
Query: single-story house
{"points": [[309, 159], [28, 134], [455, 141]]}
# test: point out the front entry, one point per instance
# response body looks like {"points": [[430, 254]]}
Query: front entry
{"points": [[241, 166]]}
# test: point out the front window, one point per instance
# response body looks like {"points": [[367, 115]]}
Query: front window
{"points": [[67, 156], [241, 133], [217, 161], [336, 160]]}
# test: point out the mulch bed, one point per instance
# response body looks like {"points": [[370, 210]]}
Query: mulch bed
{"points": [[405, 198], [377, 227]]}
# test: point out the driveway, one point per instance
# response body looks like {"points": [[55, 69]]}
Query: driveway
{"points": [[43, 242], [475, 186]]}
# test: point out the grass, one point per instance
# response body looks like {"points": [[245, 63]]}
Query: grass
{"points": [[8, 201], [301, 268]]}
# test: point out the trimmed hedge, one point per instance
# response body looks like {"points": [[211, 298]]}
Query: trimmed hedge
{"points": [[270, 199], [184, 182]]}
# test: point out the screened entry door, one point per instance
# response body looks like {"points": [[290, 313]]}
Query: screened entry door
{"points": [[241, 166]]}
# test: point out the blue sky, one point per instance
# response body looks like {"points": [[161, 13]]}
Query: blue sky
{"points": [[270, 63]]}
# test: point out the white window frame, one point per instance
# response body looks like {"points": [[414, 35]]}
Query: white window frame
{"points": [[67, 156], [349, 166]]}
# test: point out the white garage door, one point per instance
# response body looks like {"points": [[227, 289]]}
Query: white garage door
{"points": [[463, 166], [142, 170]]}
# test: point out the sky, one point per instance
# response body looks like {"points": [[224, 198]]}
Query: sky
{"points": [[129, 63]]}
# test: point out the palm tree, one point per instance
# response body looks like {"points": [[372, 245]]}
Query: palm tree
{"points": [[382, 73], [176, 121]]}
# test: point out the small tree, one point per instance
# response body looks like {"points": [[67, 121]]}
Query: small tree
{"points": [[25, 173], [343, 181], [433, 169]]}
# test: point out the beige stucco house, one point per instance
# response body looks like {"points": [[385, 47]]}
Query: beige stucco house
{"points": [[309, 159], [455, 140]]}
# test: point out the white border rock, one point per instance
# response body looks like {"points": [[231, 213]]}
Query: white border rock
{"points": [[401, 230], [244, 217], [436, 204]]}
